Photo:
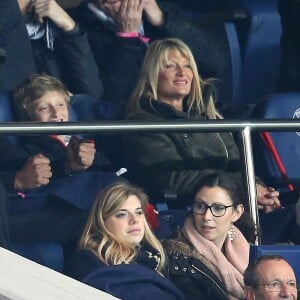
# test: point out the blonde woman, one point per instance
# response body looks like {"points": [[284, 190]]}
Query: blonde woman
{"points": [[171, 89], [116, 239]]}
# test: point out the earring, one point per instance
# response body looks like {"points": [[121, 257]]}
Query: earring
{"points": [[231, 233]]}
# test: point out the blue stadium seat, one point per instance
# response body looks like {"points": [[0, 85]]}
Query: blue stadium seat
{"points": [[290, 252], [259, 37], [203, 6], [6, 111], [212, 19], [236, 63], [49, 254], [278, 106]]}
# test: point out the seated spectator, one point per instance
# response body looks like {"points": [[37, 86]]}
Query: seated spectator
{"points": [[270, 277], [170, 88], [55, 221], [60, 48], [119, 32], [43, 98], [213, 242], [118, 251]]}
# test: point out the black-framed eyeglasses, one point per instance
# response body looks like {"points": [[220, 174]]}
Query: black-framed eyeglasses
{"points": [[276, 285], [217, 210]]}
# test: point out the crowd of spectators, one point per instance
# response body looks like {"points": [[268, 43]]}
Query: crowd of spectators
{"points": [[146, 60]]}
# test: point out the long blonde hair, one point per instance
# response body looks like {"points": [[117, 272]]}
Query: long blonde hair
{"points": [[105, 244], [156, 56]]}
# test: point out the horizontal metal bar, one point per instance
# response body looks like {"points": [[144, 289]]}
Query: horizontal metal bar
{"points": [[129, 126], [245, 127]]}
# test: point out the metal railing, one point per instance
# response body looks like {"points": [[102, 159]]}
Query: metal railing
{"points": [[244, 127]]}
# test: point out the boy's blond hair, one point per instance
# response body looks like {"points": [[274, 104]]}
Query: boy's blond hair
{"points": [[33, 88]]}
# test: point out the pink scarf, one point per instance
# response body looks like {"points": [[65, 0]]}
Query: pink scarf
{"points": [[230, 267]]}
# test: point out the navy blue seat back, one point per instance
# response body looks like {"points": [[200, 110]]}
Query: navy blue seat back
{"points": [[49, 254], [6, 111], [236, 63], [290, 252], [259, 37], [287, 144]]}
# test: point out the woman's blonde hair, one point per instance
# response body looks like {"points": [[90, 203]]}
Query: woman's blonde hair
{"points": [[32, 88], [97, 238], [155, 58]]}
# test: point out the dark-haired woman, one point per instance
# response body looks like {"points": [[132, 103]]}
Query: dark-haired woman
{"points": [[211, 251]]}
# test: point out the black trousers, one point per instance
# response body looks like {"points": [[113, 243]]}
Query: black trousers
{"points": [[4, 231]]}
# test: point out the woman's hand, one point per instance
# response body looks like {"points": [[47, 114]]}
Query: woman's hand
{"points": [[267, 198]]}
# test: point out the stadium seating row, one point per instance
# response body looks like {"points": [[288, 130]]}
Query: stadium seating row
{"points": [[254, 41]]}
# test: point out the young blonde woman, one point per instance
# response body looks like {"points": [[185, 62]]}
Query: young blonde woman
{"points": [[118, 252]]}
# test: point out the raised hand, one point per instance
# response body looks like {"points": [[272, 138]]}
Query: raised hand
{"points": [[35, 172], [51, 10], [81, 154], [127, 14], [153, 13]]}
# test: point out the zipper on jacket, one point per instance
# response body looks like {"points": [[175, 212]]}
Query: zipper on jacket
{"points": [[206, 275]]}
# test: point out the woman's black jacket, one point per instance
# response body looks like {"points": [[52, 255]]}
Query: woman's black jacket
{"points": [[190, 274], [176, 161]]}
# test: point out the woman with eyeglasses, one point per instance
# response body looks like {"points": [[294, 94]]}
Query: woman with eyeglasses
{"points": [[211, 251]]}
